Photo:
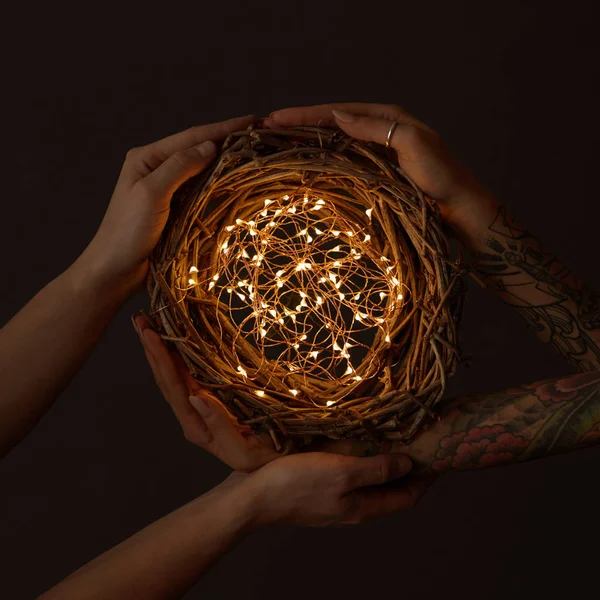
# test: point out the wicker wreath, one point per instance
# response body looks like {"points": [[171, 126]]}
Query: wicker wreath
{"points": [[306, 280]]}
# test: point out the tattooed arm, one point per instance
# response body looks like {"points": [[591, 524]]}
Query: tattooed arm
{"points": [[521, 423], [562, 310], [517, 424], [509, 259]]}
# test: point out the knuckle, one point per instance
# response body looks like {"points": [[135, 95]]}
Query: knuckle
{"points": [[393, 109], [384, 469], [413, 133], [344, 479], [134, 152], [182, 158]]}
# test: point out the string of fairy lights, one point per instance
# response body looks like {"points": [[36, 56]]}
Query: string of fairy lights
{"points": [[307, 287]]}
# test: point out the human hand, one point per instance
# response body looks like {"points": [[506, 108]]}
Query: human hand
{"points": [[208, 424], [117, 257], [204, 420], [463, 202], [318, 488]]}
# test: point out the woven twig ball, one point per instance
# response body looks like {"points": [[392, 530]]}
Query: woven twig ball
{"points": [[305, 280]]}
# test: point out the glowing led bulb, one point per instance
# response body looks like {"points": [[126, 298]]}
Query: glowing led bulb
{"points": [[291, 248]]}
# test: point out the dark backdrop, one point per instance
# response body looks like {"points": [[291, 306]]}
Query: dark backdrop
{"points": [[508, 84]]}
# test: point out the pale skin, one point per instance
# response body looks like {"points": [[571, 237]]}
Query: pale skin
{"points": [[46, 342], [529, 419], [314, 488]]}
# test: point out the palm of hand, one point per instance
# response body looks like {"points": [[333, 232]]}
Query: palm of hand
{"points": [[204, 420]]}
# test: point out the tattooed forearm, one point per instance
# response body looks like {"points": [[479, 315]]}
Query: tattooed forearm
{"points": [[518, 424], [559, 307]]}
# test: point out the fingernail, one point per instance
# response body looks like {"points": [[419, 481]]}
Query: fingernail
{"points": [[402, 464], [206, 149], [273, 114], [139, 324], [343, 116], [200, 404]]}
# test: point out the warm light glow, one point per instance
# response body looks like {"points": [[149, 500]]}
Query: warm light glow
{"points": [[307, 281]]}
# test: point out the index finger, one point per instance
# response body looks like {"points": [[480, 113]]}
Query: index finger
{"points": [[150, 157], [370, 503], [321, 114], [375, 470]]}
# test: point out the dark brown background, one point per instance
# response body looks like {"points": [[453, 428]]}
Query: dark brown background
{"points": [[508, 84]]}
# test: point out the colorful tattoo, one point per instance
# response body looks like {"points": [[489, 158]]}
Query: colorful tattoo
{"points": [[558, 306], [521, 423]]}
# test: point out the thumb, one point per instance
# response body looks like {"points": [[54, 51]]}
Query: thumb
{"points": [[372, 129], [179, 167], [375, 470], [217, 418]]}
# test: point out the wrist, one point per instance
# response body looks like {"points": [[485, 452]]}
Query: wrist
{"points": [[424, 447], [245, 499], [259, 510], [470, 216], [91, 275]]}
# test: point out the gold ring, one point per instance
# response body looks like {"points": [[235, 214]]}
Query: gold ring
{"points": [[390, 134]]}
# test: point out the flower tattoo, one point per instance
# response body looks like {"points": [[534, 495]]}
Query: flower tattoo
{"points": [[479, 447], [565, 388]]}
